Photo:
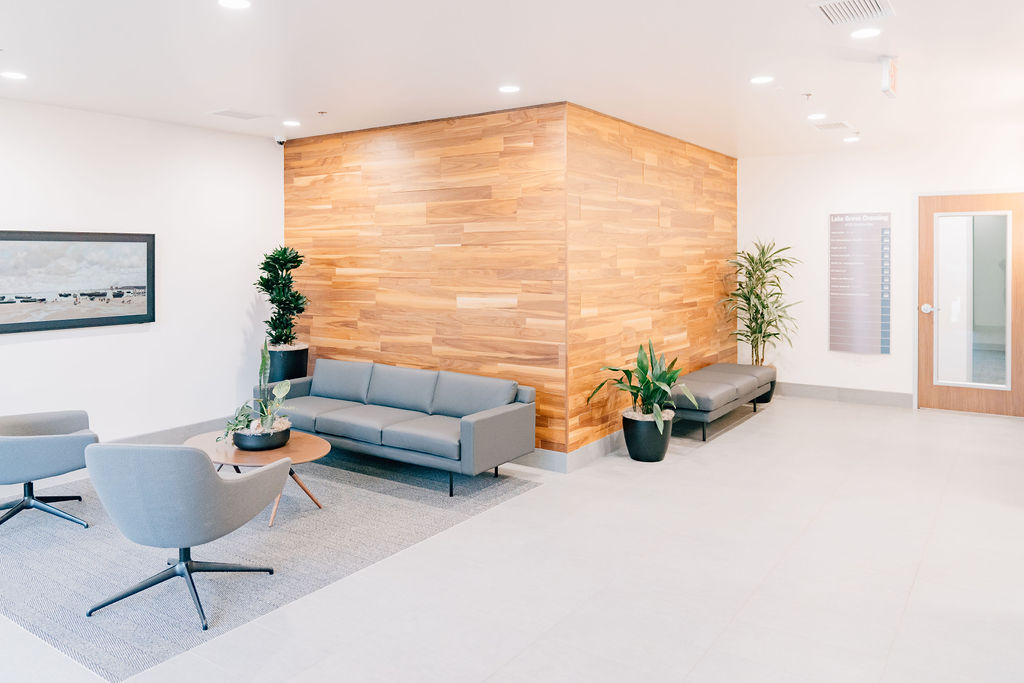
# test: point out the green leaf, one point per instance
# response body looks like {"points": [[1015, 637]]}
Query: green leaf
{"points": [[658, 419]]}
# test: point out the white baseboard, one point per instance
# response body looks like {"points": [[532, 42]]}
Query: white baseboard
{"points": [[878, 398], [564, 463]]}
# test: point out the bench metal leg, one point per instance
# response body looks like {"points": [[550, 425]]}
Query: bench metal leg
{"points": [[451, 485], [703, 431], [755, 404]]}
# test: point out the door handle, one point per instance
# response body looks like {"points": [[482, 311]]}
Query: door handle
{"points": [[927, 308]]}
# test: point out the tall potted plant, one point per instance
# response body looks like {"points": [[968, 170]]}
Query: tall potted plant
{"points": [[288, 359], [758, 299], [650, 386]]}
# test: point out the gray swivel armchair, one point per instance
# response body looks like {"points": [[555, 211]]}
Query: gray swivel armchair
{"points": [[171, 497], [41, 445]]}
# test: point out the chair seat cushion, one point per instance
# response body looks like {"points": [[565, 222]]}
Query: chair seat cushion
{"points": [[762, 373], [434, 434], [710, 395], [363, 422], [744, 383], [303, 410]]}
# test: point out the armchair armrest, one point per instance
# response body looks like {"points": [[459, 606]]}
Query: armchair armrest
{"points": [[246, 495], [495, 436], [29, 458], [300, 387]]}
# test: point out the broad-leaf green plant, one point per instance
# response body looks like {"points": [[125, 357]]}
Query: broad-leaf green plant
{"points": [[649, 384], [264, 411], [277, 283], [758, 299]]}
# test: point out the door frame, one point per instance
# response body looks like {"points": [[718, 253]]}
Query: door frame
{"points": [[916, 212]]}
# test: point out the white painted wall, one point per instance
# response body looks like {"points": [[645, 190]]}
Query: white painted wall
{"points": [[214, 201], [789, 198]]}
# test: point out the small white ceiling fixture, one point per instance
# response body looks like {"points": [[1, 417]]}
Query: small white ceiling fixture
{"points": [[865, 33], [838, 12], [816, 117], [852, 138], [762, 80], [290, 123], [13, 75], [509, 88], [235, 4]]}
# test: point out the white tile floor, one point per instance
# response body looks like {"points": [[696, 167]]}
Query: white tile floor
{"points": [[814, 541]]}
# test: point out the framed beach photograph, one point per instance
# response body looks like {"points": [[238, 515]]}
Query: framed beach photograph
{"points": [[57, 280]]}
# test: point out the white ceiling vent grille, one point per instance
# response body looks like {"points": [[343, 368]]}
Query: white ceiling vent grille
{"points": [[853, 11], [834, 125], [232, 114]]}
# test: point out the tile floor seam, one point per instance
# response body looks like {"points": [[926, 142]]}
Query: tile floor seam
{"points": [[920, 561], [761, 582]]}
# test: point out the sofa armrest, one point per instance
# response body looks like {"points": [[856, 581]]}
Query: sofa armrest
{"points": [[496, 436], [300, 387]]}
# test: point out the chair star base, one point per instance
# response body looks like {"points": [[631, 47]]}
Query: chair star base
{"points": [[30, 501], [184, 567]]}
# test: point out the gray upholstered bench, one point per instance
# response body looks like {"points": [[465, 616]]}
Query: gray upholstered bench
{"points": [[720, 388]]}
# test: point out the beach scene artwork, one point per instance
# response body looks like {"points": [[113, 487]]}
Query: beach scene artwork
{"points": [[45, 282]]}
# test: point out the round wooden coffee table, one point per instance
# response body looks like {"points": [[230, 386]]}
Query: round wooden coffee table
{"points": [[301, 447]]}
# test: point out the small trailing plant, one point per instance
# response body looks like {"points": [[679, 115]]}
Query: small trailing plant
{"points": [[649, 385], [277, 283], [758, 300], [263, 415]]}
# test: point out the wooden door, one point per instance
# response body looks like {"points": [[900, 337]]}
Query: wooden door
{"points": [[965, 360]]}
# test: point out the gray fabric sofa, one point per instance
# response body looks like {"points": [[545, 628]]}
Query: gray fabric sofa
{"points": [[721, 388], [464, 424]]}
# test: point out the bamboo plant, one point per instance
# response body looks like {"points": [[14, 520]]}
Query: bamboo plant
{"points": [[758, 299]]}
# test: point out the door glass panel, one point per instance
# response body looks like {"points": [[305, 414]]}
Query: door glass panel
{"points": [[971, 283]]}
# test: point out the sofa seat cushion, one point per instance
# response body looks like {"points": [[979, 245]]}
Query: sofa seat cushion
{"points": [[303, 410], [363, 423], [710, 395], [434, 434], [344, 379], [406, 388], [762, 373], [458, 394], [744, 383]]}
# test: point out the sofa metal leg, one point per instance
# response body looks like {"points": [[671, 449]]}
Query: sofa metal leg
{"points": [[703, 431], [755, 404], [495, 472], [451, 485]]}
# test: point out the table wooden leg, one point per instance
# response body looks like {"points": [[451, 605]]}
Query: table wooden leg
{"points": [[303, 487], [273, 513]]}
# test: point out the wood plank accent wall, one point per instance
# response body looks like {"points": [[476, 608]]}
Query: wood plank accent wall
{"points": [[438, 245], [535, 244], [651, 221]]}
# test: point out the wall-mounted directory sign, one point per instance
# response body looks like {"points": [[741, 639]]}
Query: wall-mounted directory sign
{"points": [[859, 279]]}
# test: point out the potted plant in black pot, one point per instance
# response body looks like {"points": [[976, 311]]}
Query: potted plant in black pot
{"points": [[650, 386], [260, 425], [288, 358], [759, 302]]}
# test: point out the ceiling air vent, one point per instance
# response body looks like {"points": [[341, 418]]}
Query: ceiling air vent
{"points": [[232, 114], [834, 125], [853, 11]]}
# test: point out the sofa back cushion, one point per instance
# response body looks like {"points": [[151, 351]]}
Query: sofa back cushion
{"points": [[408, 388], [342, 379], [458, 395]]}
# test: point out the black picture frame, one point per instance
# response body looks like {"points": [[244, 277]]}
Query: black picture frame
{"points": [[87, 321]]}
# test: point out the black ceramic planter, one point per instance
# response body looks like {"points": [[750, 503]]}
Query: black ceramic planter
{"points": [[261, 442], [288, 363], [643, 440]]}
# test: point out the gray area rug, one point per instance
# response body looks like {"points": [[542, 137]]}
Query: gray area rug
{"points": [[51, 571]]}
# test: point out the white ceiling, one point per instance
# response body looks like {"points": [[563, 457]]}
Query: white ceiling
{"points": [[678, 66]]}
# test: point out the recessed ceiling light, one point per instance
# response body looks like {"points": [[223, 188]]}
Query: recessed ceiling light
{"points": [[852, 138], [13, 75], [235, 4], [863, 33], [761, 80], [509, 88], [815, 117], [290, 124]]}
